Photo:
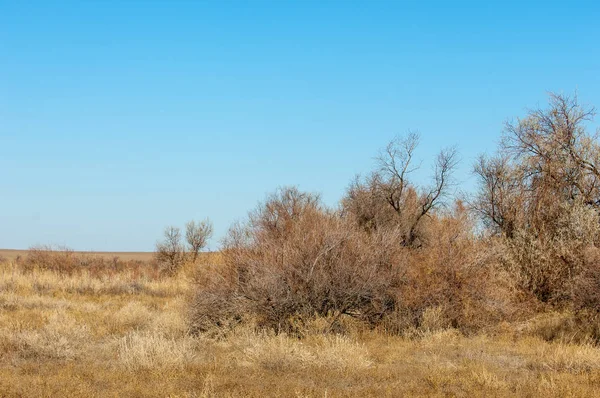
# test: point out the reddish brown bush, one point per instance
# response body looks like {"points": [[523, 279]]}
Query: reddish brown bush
{"points": [[457, 274], [65, 260], [295, 259], [392, 257], [60, 259]]}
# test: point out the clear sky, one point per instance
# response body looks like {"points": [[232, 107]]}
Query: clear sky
{"points": [[118, 118]]}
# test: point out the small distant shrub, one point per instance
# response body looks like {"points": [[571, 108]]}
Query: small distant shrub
{"points": [[65, 261], [197, 236], [170, 252], [61, 259]]}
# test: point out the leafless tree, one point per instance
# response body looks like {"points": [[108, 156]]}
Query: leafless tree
{"points": [[395, 165], [501, 192], [540, 192], [544, 160], [554, 149], [387, 197], [431, 198], [170, 251], [197, 236]]}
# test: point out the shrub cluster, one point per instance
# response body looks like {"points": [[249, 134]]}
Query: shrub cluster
{"points": [[294, 260], [171, 254], [65, 260], [395, 256]]}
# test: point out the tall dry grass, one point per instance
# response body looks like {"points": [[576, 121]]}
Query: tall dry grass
{"points": [[83, 334]]}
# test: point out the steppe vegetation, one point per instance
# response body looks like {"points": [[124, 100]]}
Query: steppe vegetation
{"points": [[401, 290]]}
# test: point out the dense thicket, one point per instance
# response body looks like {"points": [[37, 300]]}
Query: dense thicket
{"points": [[398, 254], [541, 195]]}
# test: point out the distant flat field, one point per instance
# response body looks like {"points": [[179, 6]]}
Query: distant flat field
{"points": [[12, 254]]}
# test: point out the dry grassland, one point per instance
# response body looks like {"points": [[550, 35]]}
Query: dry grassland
{"points": [[11, 254], [125, 335]]}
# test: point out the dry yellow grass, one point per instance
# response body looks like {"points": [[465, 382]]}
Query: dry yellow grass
{"points": [[126, 336]]}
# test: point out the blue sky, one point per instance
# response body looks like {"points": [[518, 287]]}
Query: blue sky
{"points": [[118, 118]]}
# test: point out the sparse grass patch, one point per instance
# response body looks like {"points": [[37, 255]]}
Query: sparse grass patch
{"points": [[132, 315], [155, 351]]}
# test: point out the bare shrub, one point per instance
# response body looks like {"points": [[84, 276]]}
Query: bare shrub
{"points": [[551, 266], [65, 261], [60, 259], [455, 282], [197, 236], [296, 258], [170, 252], [586, 285], [216, 305]]}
